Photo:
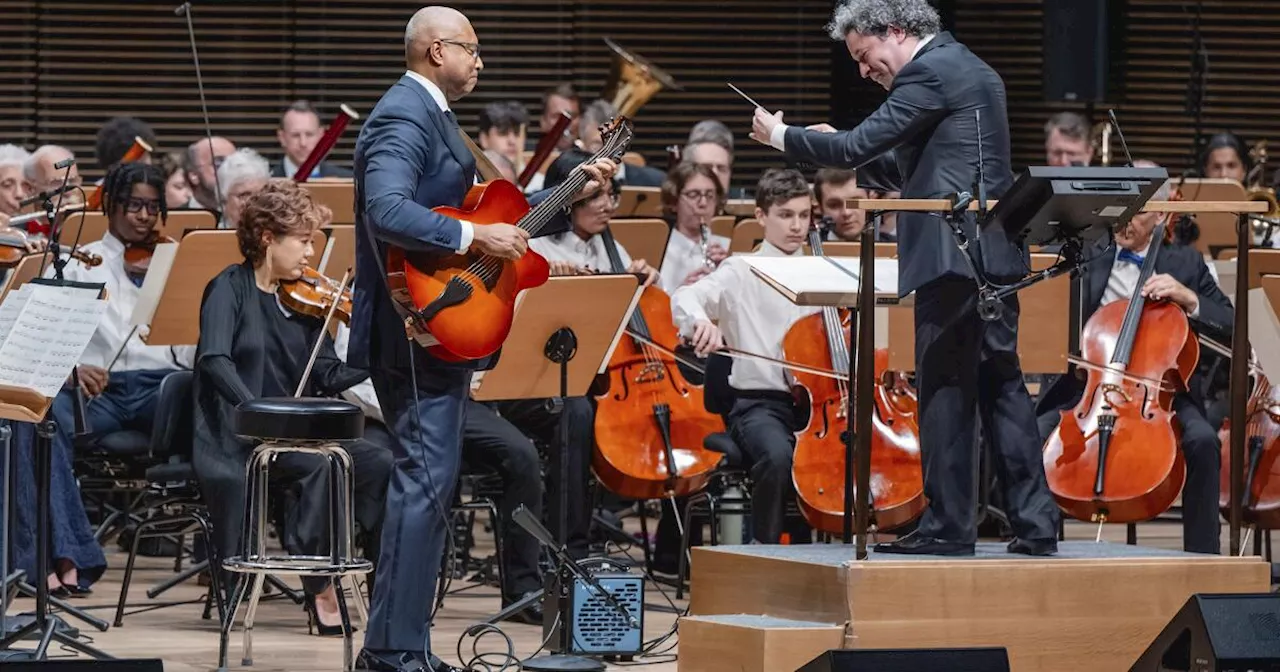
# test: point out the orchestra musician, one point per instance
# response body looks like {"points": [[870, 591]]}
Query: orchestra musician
{"points": [[1182, 277], [1067, 140], [832, 189], [596, 115], [241, 174], [409, 158], [251, 346], [732, 306], [300, 130], [501, 125], [710, 144], [692, 195], [200, 163], [177, 193], [964, 365], [40, 174], [12, 189], [116, 138], [1225, 156]]}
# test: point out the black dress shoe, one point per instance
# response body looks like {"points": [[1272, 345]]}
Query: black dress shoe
{"points": [[390, 661], [77, 591], [1039, 547], [918, 544], [531, 614]]}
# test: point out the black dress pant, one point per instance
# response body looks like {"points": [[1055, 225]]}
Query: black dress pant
{"points": [[570, 438], [1201, 525], [763, 426], [492, 443], [966, 366]]}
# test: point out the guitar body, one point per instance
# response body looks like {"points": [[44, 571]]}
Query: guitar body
{"points": [[468, 300]]}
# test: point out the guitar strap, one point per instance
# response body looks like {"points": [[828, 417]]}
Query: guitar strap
{"points": [[483, 165]]}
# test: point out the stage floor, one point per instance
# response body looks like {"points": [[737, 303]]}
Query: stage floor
{"points": [[188, 644]]}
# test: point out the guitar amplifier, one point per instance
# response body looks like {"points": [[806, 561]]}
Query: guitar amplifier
{"points": [[595, 627]]}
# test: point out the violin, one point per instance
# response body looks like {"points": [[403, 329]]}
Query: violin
{"points": [[137, 256], [650, 421], [13, 249], [818, 468], [1115, 456], [315, 294]]}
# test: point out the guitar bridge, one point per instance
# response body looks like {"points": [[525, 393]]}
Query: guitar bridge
{"points": [[455, 292]]}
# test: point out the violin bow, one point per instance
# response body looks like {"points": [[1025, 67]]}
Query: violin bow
{"points": [[743, 354], [315, 350]]}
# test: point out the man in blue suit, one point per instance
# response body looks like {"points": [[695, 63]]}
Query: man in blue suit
{"points": [[410, 158]]}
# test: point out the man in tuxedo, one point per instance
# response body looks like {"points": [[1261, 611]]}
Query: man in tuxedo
{"points": [[1181, 277], [964, 365], [409, 158], [300, 130]]}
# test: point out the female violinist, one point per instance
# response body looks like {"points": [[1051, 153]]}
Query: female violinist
{"points": [[251, 346], [1180, 277], [731, 305]]}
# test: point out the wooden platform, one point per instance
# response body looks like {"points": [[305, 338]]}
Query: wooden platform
{"points": [[1092, 607]]}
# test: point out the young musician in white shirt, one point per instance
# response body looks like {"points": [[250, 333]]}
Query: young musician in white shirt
{"points": [[731, 305], [693, 195]]}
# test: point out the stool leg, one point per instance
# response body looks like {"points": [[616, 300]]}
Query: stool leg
{"points": [[360, 605], [229, 621], [339, 591], [254, 596]]}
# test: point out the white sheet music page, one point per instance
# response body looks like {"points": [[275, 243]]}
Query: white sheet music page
{"points": [[49, 332], [824, 281], [153, 285]]}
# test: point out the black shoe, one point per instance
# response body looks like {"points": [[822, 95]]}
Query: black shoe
{"points": [[531, 614], [317, 627], [390, 661], [918, 544], [1039, 547]]}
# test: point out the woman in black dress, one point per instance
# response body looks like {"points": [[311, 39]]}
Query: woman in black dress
{"points": [[251, 346]]}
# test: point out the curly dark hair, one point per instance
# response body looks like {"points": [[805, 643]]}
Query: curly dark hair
{"points": [[116, 137], [117, 186], [281, 207]]}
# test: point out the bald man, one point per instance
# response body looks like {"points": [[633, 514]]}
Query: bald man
{"points": [[201, 170], [410, 158]]}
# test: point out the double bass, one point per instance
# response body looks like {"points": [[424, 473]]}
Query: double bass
{"points": [[1115, 456], [651, 421], [818, 468]]}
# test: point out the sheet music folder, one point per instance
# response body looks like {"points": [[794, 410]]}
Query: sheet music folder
{"points": [[45, 327], [826, 281]]}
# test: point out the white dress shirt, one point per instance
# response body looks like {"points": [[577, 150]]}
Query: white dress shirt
{"points": [[777, 137], [122, 296], [571, 248], [361, 394], [752, 316], [468, 229], [1124, 279], [683, 256]]}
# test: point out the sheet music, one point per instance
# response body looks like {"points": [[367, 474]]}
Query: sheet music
{"points": [[44, 330], [810, 280]]}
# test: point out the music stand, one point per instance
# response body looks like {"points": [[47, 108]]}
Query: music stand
{"points": [[30, 315], [568, 329]]}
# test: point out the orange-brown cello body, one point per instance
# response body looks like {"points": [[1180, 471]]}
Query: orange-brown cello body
{"points": [[631, 456], [897, 486], [1143, 471], [1262, 458]]}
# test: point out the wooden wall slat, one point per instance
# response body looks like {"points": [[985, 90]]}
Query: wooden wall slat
{"points": [[78, 63]]}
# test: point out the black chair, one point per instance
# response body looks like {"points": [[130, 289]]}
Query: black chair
{"points": [[172, 488], [112, 474]]}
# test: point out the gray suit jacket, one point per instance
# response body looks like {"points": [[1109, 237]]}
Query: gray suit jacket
{"points": [[927, 130]]}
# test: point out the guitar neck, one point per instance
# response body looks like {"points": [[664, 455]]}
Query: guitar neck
{"points": [[541, 214]]}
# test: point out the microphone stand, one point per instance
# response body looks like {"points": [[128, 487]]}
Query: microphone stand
{"points": [[184, 10], [1198, 84]]}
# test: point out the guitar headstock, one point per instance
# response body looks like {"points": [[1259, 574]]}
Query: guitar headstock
{"points": [[615, 135]]}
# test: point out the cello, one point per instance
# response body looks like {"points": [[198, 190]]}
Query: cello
{"points": [[1261, 493], [1115, 456], [650, 422], [818, 469]]}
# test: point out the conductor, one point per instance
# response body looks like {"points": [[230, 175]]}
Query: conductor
{"points": [[964, 365]]}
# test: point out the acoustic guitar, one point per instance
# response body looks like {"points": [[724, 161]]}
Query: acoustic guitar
{"points": [[460, 306]]}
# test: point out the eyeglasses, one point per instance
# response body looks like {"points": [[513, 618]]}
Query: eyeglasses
{"points": [[137, 204], [472, 48], [699, 196]]}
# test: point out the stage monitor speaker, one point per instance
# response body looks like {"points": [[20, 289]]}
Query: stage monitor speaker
{"points": [[62, 665], [1082, 38], [1218, 633], [910, 660]]}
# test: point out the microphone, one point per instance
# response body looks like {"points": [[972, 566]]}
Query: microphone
{"points": [[181, 10], [960, 203], [65, 163], [47, 195]]}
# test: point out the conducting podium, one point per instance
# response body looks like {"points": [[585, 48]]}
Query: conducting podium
{"points": [[1069, 207]]}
